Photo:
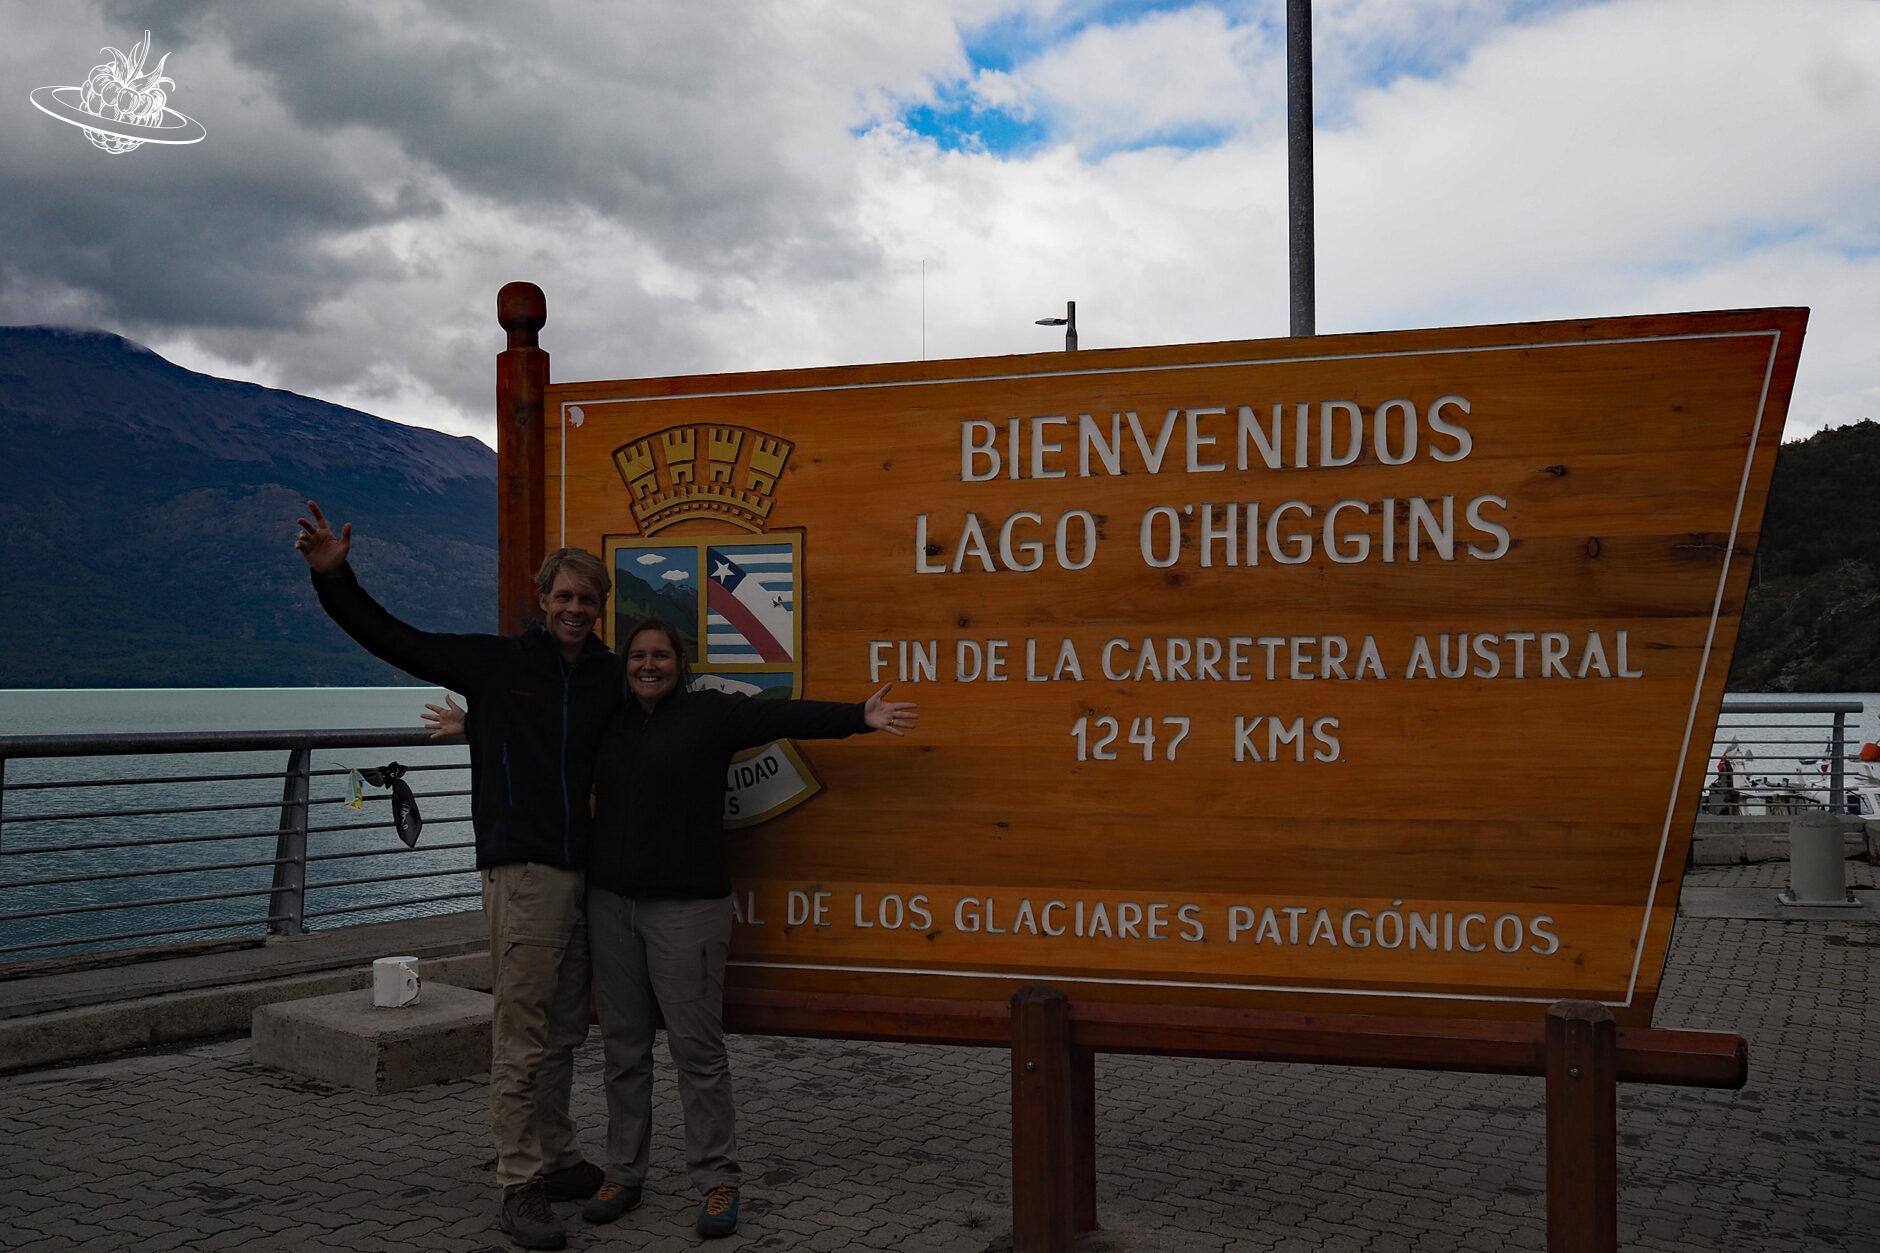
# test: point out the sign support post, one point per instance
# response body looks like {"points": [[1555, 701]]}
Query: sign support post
{"points": [[1582, 1129], [1042, 1135]]}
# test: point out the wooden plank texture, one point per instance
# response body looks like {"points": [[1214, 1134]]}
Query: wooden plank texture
{"points": [[1387, 758], [1657, 1055]]}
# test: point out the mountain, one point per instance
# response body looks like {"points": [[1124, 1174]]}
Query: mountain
{"points": [[148, 514], [1812, 619]]}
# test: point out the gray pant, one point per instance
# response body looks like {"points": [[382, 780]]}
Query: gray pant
{"points": [[539, 986], [667, 957]]}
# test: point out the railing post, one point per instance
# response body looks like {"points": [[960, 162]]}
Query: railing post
{"points": [[287, 903], [1582, 1129], [1041, 1121], [1837, 766]]}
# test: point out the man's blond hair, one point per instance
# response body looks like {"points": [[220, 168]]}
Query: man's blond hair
{"points": [[582, 566]]}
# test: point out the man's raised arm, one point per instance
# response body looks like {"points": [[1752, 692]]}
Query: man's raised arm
{"points": [[446, 660], [324, 550]]}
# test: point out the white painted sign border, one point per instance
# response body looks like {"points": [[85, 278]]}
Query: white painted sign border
{"points": [[1664, 840]]}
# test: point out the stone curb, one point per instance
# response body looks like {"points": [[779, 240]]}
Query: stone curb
{"points": [[93, 1031]]}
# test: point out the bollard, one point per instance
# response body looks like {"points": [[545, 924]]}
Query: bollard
{"points": [[1817, 871]]}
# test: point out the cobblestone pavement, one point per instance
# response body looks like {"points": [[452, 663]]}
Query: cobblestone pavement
{"points": [[900, 1147], [1773, 874]]}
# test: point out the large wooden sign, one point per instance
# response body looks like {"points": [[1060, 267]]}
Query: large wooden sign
{"points": [[1368, 673]]}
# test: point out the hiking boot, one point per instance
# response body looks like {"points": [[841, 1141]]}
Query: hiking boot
{"points": [[718, 1216], [613, 1200], [527, 1219], [573, 1183]]}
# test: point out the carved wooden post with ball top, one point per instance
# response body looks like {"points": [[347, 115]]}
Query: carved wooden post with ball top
{"points": [[521, 460]]}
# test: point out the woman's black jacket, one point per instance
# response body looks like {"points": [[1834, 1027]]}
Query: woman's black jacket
{"points": [[659, 785]]}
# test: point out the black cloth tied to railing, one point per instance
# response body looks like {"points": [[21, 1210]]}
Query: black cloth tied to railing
{"points": [[405, 816]]}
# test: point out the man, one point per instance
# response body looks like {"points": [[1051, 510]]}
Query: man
{"points": [[538, 703]]}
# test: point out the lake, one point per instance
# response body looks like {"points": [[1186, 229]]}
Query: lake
{"points": [[225, 855], [64, 711]]}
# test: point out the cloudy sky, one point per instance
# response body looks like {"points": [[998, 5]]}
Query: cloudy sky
{"points": [[737, 184]]}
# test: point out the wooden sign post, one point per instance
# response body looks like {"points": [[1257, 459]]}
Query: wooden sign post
{"points": [[521, 374], [1360, 677]]}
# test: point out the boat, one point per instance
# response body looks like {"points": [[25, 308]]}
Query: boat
{"points": [[1862, 789], [1736, 790]]}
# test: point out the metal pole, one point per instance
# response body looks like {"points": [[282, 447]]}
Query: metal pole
{"points": [[1299, 164], [1070, 326]]}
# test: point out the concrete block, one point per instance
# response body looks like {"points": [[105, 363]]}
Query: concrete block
{"points": [[462, 970], [191, 1013], [1709, 824], [1717, 850], [1766, 847], [345, 1039]]}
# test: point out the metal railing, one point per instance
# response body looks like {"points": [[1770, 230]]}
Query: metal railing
{"points": [[1781, 757], [73, 864]]}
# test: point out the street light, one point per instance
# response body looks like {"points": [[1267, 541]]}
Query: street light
{"points": [[1068, 322]]}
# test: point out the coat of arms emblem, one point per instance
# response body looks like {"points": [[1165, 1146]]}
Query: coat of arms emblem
{"points": [[701, 496]]}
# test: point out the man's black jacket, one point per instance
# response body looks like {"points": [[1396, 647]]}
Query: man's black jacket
{"points": [[659, 795], [533, 721]]}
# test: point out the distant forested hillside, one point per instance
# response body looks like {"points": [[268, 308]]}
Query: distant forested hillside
{"points": [[1812, 622], [148, 513]]}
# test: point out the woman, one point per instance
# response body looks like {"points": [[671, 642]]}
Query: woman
{"points": [[659, 902]]}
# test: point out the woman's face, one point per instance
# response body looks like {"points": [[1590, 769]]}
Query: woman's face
{"points": [[652, 666]]}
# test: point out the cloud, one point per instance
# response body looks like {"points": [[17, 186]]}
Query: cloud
{"points": [[374, 172], [1639, 145], [650, 559], [675, 576], [697, 193], [1510, 163], [1188, 77], [238, 232]]}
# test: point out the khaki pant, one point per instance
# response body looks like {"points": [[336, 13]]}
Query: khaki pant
{"points": [[666, 956], [539, 983]]}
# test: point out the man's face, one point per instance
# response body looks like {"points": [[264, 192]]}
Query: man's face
{"points": [[572, 608]]}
